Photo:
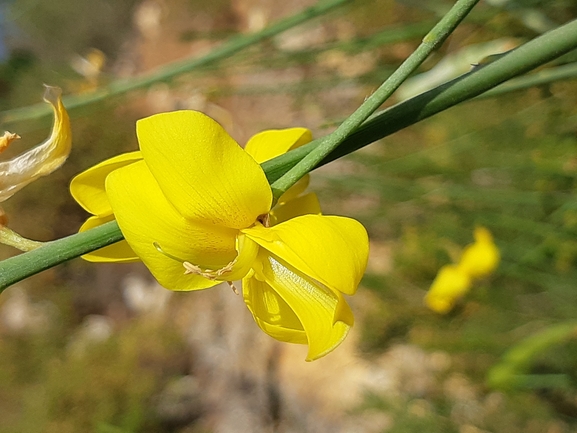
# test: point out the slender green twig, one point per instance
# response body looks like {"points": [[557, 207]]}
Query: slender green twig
{"points": [[52, 253], [525, 58], [172, 70], [511, 371], [528, 56], [430, 42]]}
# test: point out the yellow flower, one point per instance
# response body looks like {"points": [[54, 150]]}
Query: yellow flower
{"points": [[478, 260], [450, 285], [196, 209], [482, 257]]}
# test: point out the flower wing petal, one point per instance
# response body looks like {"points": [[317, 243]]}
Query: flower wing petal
{"points": [[202, 171], [87, 188], [146, 217], [119, 252], [324, 314], [269, 144], [271, 312], [333, 250]]}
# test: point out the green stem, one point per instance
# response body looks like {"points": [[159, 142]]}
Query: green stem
{"points": [[430, 42], [172, 70], [528, 56], [509, 373], [52, 253], [525, 58], [547, 76]]}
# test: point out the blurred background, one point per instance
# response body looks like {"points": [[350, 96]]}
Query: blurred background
{"points": [[102, 348]]}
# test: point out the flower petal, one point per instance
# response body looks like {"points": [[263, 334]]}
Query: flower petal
{"points": [[269, 144], [247, 250], [42, 159], [7, 139], [87, 188], [271, 312], [307, 204], [333, 250], [323, 313], [450, 285], [482, 257], [119, 252], [146, 217], [202, 171]]}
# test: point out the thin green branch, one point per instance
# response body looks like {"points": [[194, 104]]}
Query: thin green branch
{"points": [[430, 42], [525, 58], [172, 70], [510, 372], [52, 253]]}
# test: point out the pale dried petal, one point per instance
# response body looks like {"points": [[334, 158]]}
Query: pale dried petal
{"points": [[42, 159], [6, 139]]}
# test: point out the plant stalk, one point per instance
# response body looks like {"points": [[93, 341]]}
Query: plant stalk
{"points": [[172, 70], [430, 42], [521, 60]]}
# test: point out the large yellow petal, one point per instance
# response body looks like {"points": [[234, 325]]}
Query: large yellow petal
{"points": [[271, 312], [202, 171], [333, 250], [274, 142], [87, 188], [323, 313], [146, 217], [119, 252]]}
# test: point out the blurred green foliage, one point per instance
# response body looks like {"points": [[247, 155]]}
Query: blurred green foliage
{"points": [[49, 385]]}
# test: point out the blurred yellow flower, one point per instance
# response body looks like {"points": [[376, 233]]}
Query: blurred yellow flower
{"points": [[196, 209], [41, 160], [482, 257], [452, 282]]}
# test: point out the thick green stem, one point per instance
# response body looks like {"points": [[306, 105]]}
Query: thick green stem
{"points": [[430, 42], [172, 70], [525, 58]]}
